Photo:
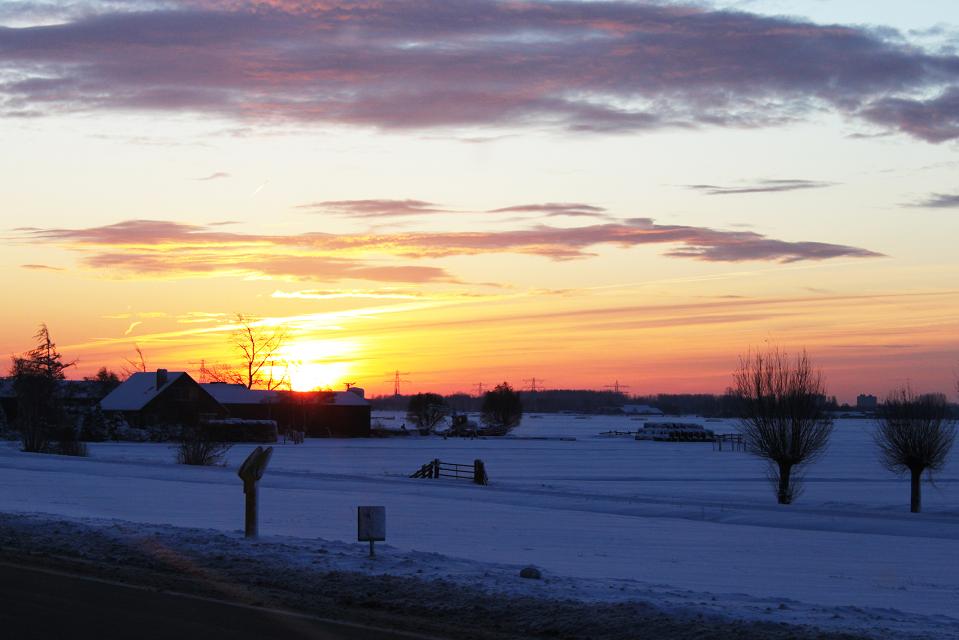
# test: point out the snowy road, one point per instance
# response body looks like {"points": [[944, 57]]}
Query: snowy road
{"points": [[41, 604]]}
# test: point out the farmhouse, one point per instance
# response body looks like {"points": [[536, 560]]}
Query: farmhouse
{"points": [[162, 398]]}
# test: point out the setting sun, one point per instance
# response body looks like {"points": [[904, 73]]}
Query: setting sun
{"points": [[316, 364]]}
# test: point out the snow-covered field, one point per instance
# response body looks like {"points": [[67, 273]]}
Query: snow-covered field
{"points": [[609, 518]]}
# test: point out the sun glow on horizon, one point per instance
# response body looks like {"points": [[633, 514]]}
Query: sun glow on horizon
{"points": [[317, 364]]}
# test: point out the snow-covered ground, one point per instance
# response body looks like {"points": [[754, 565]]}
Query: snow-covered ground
{"points": [[608, 518]]}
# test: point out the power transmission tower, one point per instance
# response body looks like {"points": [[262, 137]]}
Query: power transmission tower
{"points": [[397, 380], [617, 387], [204, 372], [479, 386], [533, 389], [531, 382]]}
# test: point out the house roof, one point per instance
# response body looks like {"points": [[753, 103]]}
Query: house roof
{"points": [[349, 398], [137, 391], [238, 394]]}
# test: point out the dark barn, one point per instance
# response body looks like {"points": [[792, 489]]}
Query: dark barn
{"points": [[336, 414]]}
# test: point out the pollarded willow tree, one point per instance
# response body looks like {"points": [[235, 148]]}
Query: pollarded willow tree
{"points": [[782, 414], [914, 434]]}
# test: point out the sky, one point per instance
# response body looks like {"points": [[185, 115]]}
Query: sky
{"points": [[470, 192]]}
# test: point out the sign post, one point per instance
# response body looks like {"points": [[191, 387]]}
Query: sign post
{"points": [[371, 525], [250, 472]]}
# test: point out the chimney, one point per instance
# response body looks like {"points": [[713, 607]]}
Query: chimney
{"points": [[161, 377]]}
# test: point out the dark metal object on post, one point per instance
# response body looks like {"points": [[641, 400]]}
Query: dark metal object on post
{"points": [[250, 472]]}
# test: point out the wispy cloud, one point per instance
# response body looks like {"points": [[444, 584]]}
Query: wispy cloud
{"points": [[762, 186], [938, 201], [219, 175], [133, 325], [374, 208], [556, 209], [40, 267], [579, 65], [333, 294]]}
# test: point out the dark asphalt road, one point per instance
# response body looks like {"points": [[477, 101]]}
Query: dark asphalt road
{"points": [[36, 603]]}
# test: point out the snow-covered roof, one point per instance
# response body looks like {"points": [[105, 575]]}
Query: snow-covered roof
{"points": [[349, 398], [238, 394], [641, 408], [137, 391]]}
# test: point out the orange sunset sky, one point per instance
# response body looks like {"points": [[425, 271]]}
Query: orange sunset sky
{"points": [[581, 192]]}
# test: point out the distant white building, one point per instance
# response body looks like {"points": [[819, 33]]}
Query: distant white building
{"points": [[641, 410]]}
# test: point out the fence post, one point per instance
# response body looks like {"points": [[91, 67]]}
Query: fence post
{"points": [[436, 468], [479, 472]]}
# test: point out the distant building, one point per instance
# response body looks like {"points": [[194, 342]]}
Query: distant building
{"points": [[641, 410], [867, 402]]}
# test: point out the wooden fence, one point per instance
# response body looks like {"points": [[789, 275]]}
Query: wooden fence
{"points": [[436, 469], [732, 442]]}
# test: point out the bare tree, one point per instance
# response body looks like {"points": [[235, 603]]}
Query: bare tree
{"points": [[136, 364], [783, 419], [914, 433], [257, 347]]}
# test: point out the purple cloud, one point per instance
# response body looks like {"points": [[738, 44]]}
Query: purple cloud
{"points": [[374, 208], [578, 65], [158, 247], [763, 186], [939, 201]]}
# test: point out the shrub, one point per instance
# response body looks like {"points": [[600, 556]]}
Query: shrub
{"points": [[196, 447], [69, 443], [502, 408], [425, 410]]}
